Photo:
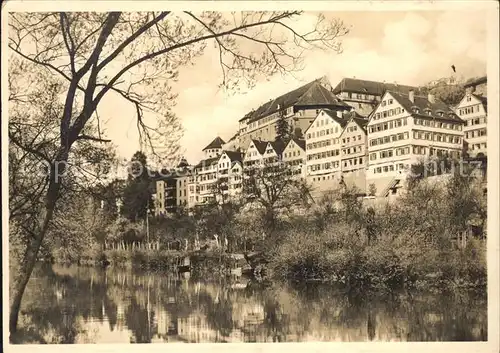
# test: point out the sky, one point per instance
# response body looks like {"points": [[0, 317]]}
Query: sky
{"points": [[410, 48]]}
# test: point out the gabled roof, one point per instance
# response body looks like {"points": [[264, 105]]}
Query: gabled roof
{"points": [[309, 94], [359, 119], [423, 104], [260, 145], [299, 142], [369, 87], [234, 156], [476, 81], [278, 146], [216, 143], [482, 99], [332, 114]]}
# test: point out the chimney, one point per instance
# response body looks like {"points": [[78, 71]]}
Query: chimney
{"points": [[411, 96], [431, 98]]}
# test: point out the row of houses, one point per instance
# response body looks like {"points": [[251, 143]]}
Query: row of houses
{"points": [[363, 133]]}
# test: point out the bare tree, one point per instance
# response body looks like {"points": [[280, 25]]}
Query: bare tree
{"points": [[137, 56], [274, 187]]}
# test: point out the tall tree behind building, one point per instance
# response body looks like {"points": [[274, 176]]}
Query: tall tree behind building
{"points": [[283, 129], [136, 195]]}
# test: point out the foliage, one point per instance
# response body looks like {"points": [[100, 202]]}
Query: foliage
{"points": [[409, 242], [274, 191], [449, 90], [283, 128], [137, 200], [372, 189]]}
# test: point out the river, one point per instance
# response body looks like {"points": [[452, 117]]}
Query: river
{"points": [[88, 305]]}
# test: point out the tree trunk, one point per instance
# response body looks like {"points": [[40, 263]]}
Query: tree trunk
{"points": [[29, 259]]}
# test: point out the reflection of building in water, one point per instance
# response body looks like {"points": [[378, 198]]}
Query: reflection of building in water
{"points": [[162, 321], [236, 336], [120, 316], [250, 313], [195, 328]]}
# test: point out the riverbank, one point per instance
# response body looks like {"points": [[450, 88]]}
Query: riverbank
{"points": [[210, 262], [381, 266], [310, 258]]}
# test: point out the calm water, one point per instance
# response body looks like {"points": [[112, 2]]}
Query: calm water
{"points": [[86, 305]]}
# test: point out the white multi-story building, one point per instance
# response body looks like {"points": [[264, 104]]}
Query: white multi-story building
{"points": [[229, 176], [323, 151], [353, 152], [254, 154], [294, 155], [473, 110], [404, 129]]}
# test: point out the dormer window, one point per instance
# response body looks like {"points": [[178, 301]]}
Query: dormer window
{"points": [[415, 110], [428, 112], [441, 114]]}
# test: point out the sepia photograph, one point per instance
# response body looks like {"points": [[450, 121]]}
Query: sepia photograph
{"points": [[252, 173]]}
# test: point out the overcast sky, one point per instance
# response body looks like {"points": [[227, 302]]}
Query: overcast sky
{"points": [[405, 47]]}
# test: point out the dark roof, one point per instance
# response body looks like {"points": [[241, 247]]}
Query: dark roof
{"points": [[476, 81], [300, 143], [260, 145], [183, 163], [483, 100], [369, 87], [216, 143], [423, 103], [278, 146], [234, 156], [312, 93], [208, 161], [357, 118]]}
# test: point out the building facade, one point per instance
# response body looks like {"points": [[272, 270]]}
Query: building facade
{"points": [[294, 155], [405, 129], [354, 151], [229, 177], [474, 111], [165, 197], [254, 154], [323, 151]]}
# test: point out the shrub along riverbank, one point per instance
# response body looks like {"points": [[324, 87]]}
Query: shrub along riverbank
{"points": [[433, 235], [210, 262]]}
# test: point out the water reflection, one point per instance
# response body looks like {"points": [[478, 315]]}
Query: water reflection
{"points": [[86, 305]]}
